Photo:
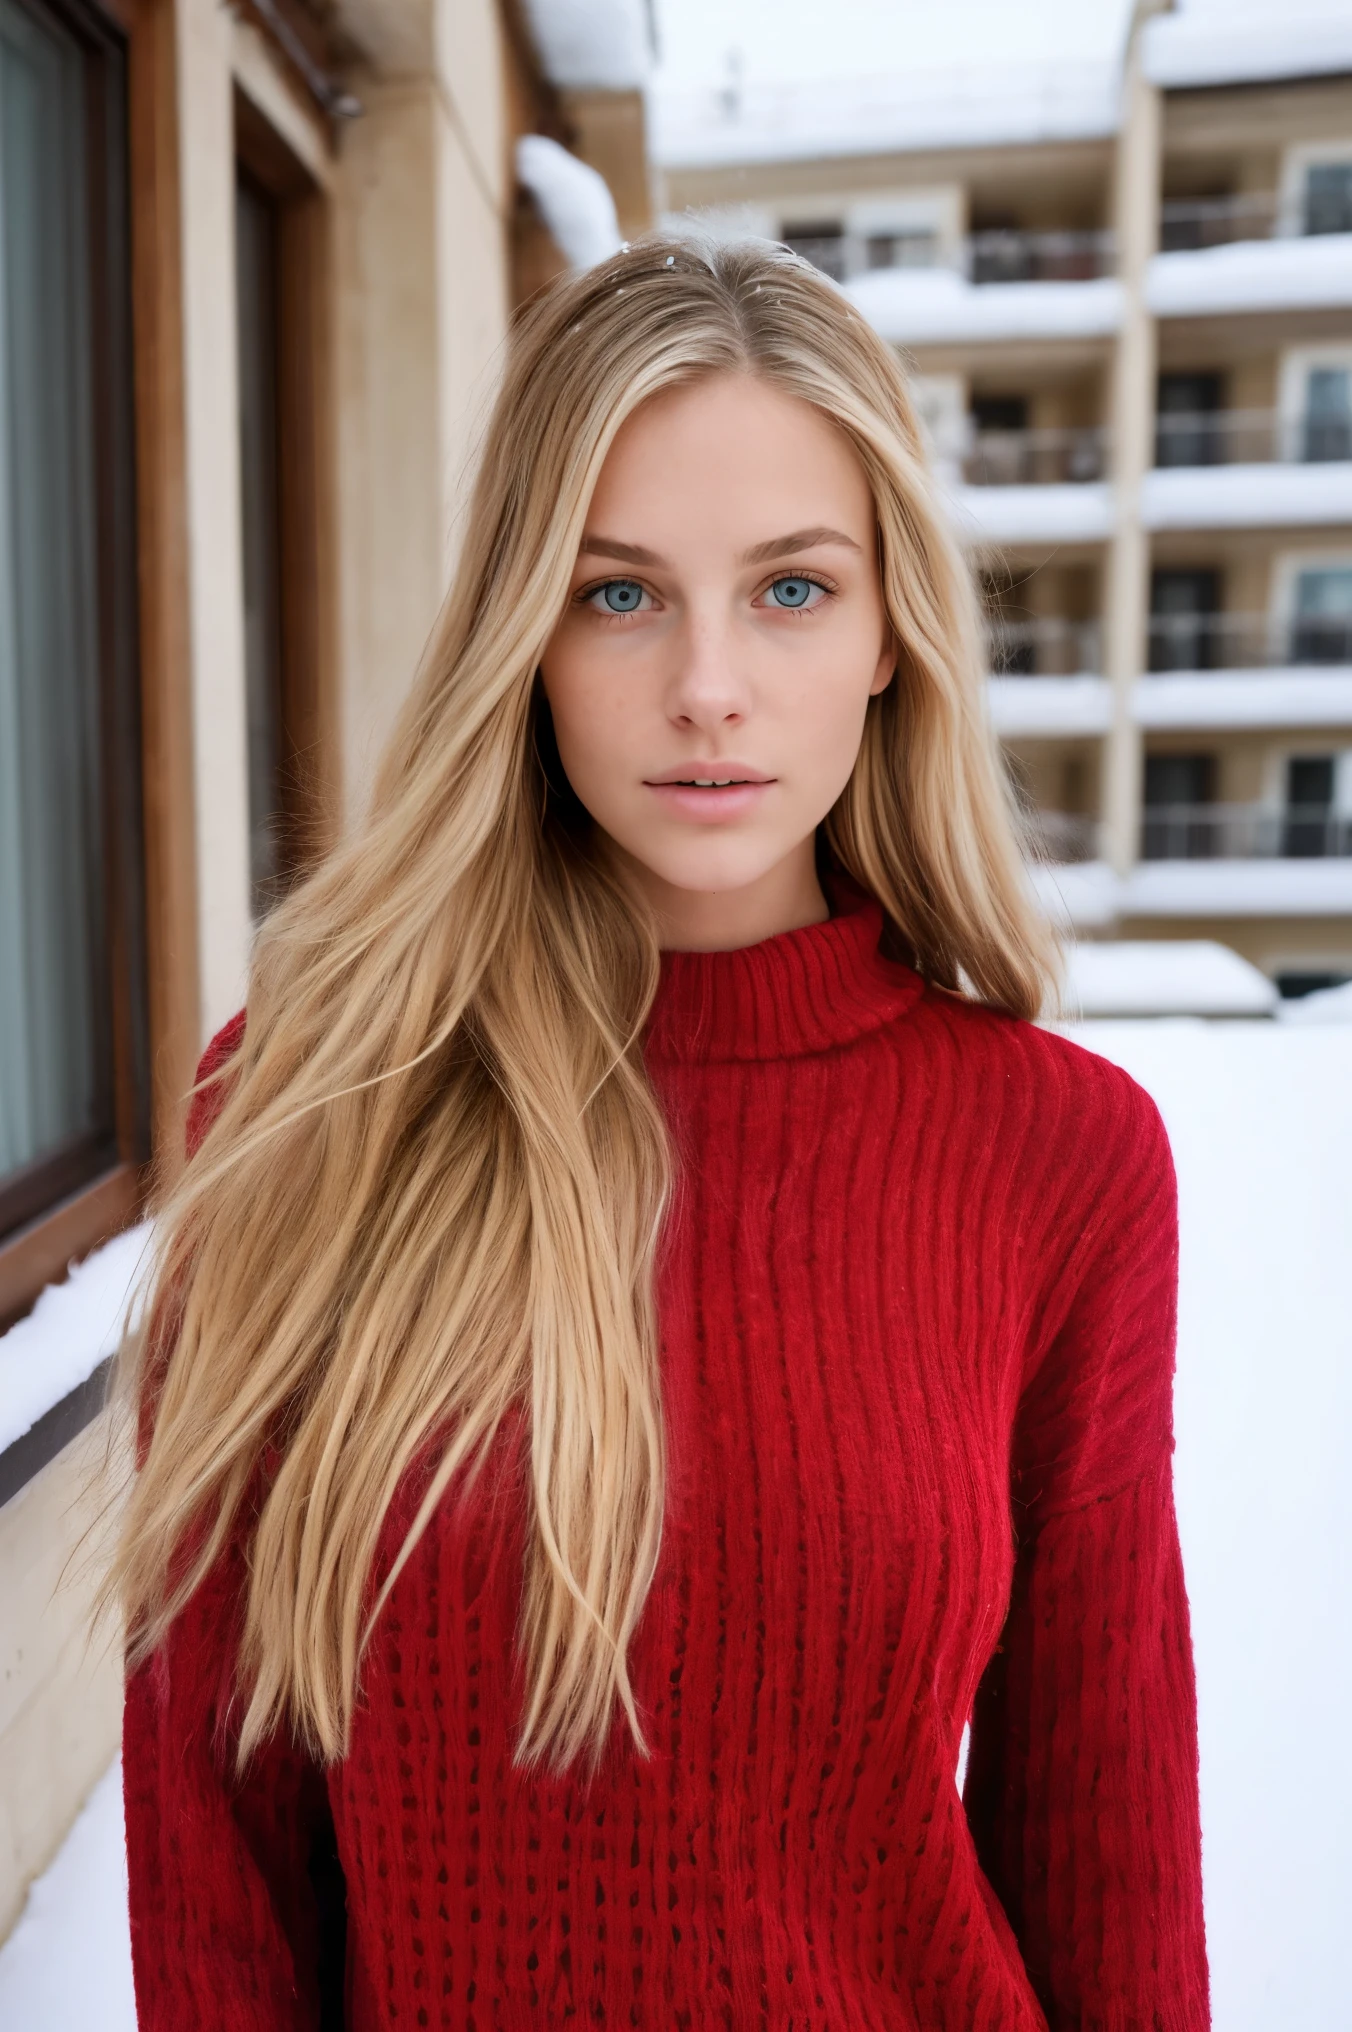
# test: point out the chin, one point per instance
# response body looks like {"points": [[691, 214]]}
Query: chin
{"points": [[714, 868]]}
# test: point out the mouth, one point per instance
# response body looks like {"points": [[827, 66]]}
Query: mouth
{"points": [[709, 776], [709, 793]]}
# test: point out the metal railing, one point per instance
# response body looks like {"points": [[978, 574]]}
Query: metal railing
{"points": [[1013, 256], [1061, 837], [1226, 437], [1188, 223], [1244, 832], [1247, 641], [1020, 458], [1046, 647]]}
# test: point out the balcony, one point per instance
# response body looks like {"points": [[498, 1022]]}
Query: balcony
{"points": [[1189, 224], [1246, 670], [1045, 647], [1062, 838], [1249, 469], [997, 286], [1218, 258], [1034, 458], [1206, 642], [1004, 257], [1034, 486], [1043, 678], [1245, 832]]}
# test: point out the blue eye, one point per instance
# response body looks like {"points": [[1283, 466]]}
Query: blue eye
{"points": [[620, 596], [793, 592]]}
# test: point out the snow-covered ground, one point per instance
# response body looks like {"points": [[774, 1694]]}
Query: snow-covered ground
{"points": [[1260, 1115]]}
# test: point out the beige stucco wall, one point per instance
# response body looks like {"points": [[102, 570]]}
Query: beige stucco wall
{"points": [[60, 1691]]}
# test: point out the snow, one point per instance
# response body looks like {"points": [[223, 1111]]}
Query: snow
{"points": [[599, 43], [1061, 513], [1050, 705], [1275, 888], [1247, 497], [574, 200], [1325, 1005], [938, 306], [1235, 42], [1246, 698], [1307, 273], [67, 1963], [1164, 977], [70, 1330], [1081, 895], [1260, 1118]]}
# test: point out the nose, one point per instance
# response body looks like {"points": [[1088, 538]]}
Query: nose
{"points": [[709, 687]]}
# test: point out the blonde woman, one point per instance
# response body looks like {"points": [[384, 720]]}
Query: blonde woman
{"points": [[652, 1341]]}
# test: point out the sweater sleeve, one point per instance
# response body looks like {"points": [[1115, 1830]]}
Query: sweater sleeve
{"points": [[225, 1923], [1081, 1789]]}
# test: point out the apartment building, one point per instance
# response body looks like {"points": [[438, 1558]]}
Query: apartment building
{"points": [[1125, 297], [257, 263]]}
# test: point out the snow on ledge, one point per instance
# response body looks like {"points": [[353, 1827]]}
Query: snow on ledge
{"points": [[1243, 44], [1164, 977], [1246, 497], [1050, 705], [1065, 513], [1324, 1006], [938, 306], [1246, 698], [1077, 895], [1312, 273], [599, 43], [574, 201], [72, 1328], [1276, 888]]}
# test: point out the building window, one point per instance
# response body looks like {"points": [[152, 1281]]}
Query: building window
{"points": [[1310, 827], [1176, 825], [1326, 431], [1321, 627], [72, 1028], [1328, 197], [1187, 431], [1183, 609], [822, 242]]}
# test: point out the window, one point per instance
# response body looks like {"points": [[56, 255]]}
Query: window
{"points": [[913, 249], [1186, 431], [1175, 828], [1328, 197], [1308, 824], [1326, 431], [822, 242], [72, 1016], [1183, 607], [1321, 627]]}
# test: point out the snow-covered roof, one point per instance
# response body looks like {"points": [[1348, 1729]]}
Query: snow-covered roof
{"points": [[1247, 496], [938, 306], [70, 1330], [1164, 977], [791, 119], [574, 200], [600, 43], [1311, 272], [1233, 42]]}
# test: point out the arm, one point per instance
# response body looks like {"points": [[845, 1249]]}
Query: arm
{"points": [[1082, 1778], [224, 1924]]}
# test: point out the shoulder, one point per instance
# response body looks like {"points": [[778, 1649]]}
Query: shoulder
{"points": [[208, 1091]]}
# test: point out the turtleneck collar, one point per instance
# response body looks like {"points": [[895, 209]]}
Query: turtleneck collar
{"points": [[803, 991]]}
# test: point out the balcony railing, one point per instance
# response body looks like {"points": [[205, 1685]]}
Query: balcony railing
{"points": [[1020, 458], [1188, 223], [1039, 257], [1225, 437], [1047, 647], [1060, 836], [1244, 832], [1247, 641]]}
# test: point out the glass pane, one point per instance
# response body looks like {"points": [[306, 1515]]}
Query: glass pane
{"points": [[55, 1076], [1323, 624], [1328, 413], [1328, 197]]}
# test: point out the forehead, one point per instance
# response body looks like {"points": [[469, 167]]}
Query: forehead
{"points": [[728, 461]]}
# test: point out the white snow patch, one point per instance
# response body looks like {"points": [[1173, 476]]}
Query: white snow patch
{"points": [[574, 200], [1079, 895], [1060, 513], [1050, 705], [67, 1963], [1275, 888], [1325, 1005], [1312, 273], [68, 1333], [1164, 977], [1247, 497], [601, 43], [938, 306], [1246, 698], [1237, 43]]}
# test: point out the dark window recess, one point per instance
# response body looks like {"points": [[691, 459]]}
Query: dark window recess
{"points": [[256, 297], [72, 1013], [1187, 431], [1183, 606], [1308, 825], [1175, 826], [822, 242], [1328, 197], [1327, 432], [1293, 984], [1000, 412], [1321, 628]]}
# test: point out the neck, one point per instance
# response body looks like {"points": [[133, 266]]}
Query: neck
{"points": [[786, 898]]}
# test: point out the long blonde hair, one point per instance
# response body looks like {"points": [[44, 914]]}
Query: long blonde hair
{"points": [[433, 1195]]}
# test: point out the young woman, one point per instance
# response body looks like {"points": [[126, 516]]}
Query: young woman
{"points": [[652, 1340]]}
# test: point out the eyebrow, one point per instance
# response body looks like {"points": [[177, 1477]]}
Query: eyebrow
{"points": [[760, 553]]}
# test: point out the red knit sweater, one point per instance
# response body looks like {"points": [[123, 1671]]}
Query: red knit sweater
{"points": [[917, 1324]]}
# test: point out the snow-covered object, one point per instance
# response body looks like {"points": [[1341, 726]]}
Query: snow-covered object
{"points": [[1247, 497], [1246, 698], [1312, 272], [70, 1330], [574, 200], [600, 43], [1275, 888], [786, 119], [1164, 977], [1325, 1005], [1061, 513], [68, 1961], [938, 306], [1231, 42], [1078, 896], [1050, 705]]}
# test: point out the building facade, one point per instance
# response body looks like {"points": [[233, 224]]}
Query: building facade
{"points": [[1126, 303], [257, 267]]}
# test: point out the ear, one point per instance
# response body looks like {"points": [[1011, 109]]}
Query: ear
{"points": [[886, 668]]}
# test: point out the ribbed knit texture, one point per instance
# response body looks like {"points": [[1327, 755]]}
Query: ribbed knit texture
{"points": [[917, 1313]]}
